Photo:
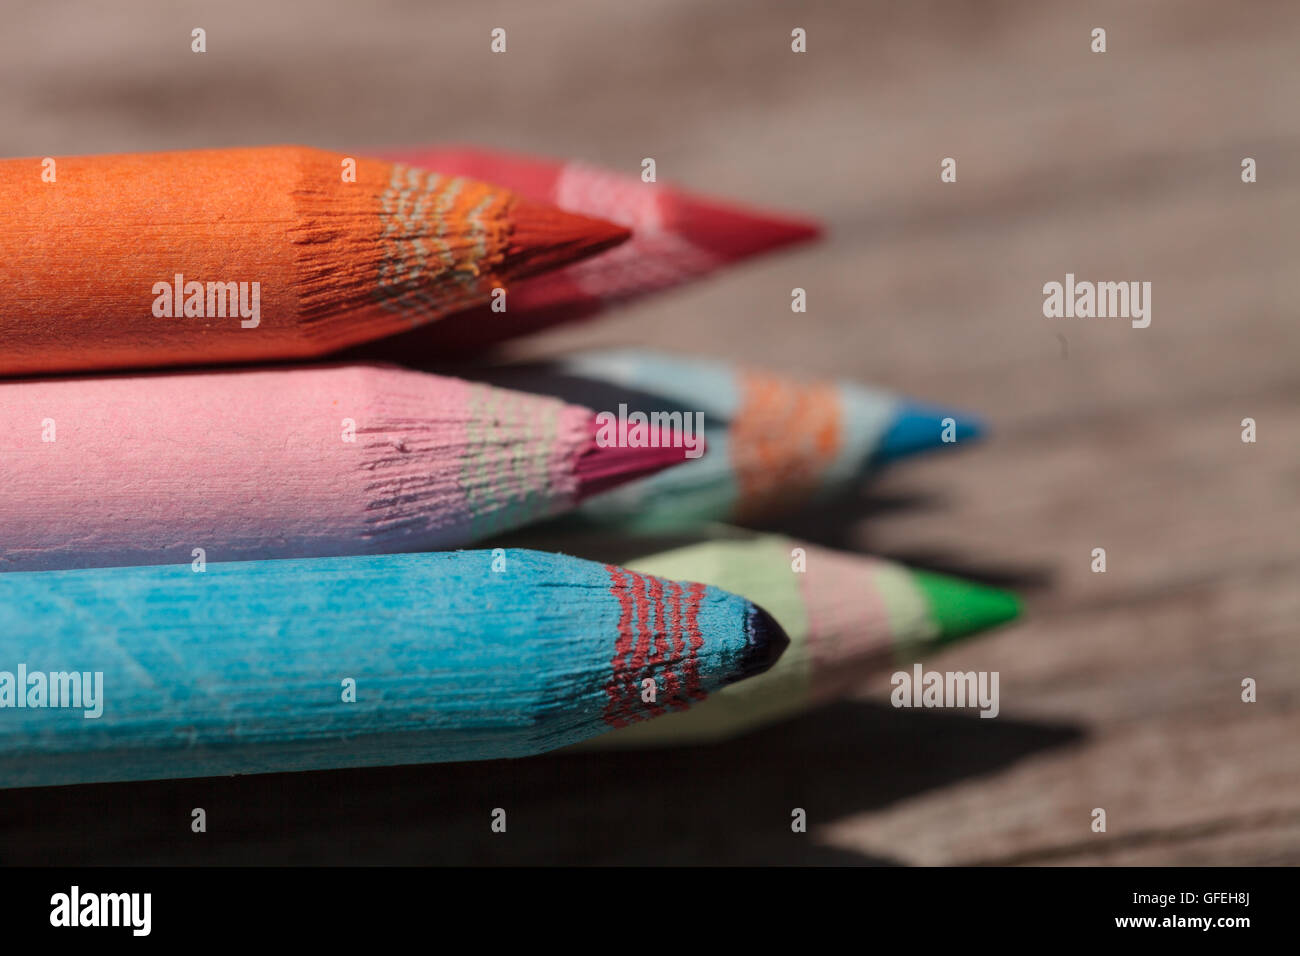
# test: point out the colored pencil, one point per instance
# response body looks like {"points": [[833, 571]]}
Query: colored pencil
{"points": [[677, 237], [245, 668], [232, 255], [775, 443], [849, 618], [264, 463]]}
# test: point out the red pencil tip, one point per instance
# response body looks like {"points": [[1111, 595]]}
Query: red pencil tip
{"points": [[733, 232], [545, 237], [602, 465]]}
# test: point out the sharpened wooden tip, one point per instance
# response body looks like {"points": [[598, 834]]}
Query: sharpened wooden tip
{"points": [[603, 466], [733, 232], [545, 237], [258, 254], [456, 655], [767, 642]]}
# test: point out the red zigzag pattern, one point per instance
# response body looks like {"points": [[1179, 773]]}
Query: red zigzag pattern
{"points": [[657, 618]]}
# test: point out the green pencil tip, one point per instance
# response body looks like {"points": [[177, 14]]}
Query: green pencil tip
{"points": [[961, 608]]}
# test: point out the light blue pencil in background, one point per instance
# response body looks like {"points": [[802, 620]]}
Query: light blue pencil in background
{"points": [[773, 444], [265, 666]]}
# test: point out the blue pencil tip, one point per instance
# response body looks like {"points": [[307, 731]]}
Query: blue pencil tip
{"points": [[918, 428]]}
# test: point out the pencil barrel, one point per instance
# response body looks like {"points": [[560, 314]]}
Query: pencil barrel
{"points": [[138, 673], [268, 463], [236, 255]]}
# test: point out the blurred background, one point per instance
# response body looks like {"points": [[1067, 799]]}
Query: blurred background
{"points": [[1119, 690]]}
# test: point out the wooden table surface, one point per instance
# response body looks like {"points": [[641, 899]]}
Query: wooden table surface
{"points": [[1119, 690]]}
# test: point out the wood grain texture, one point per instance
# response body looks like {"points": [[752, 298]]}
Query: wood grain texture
{"points": [[274, 463], [208, 256], [677, 238], [273, 666], [1119, 690]]}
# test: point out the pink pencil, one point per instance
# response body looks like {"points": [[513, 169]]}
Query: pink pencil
{"points": [[676, 237], [330, 460]]}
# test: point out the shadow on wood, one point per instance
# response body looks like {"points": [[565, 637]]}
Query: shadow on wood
{"points": [[730, 801]]}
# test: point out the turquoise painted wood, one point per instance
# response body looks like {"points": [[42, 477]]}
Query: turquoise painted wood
{"points": [[245, 667]]}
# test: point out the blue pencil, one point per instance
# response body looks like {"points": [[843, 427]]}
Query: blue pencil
{"points": [[773, 443], [266, 666]]}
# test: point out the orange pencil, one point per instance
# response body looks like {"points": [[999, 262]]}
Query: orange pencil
{"points": [[237, 255]]}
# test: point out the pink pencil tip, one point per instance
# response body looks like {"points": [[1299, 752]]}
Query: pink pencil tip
{"points": [[733, 232], [602, 466]]}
